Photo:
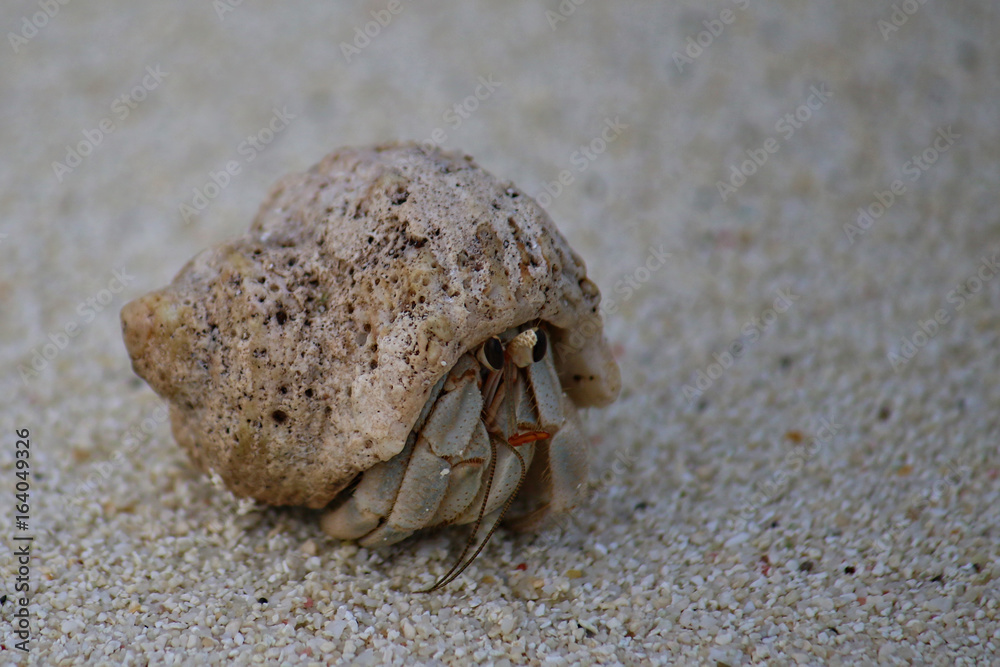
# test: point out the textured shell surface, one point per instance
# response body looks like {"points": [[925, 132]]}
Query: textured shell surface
{"points": [[302, 353]]}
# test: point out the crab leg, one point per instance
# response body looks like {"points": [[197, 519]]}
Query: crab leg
{"points": [[559, 473], [401, 495], [459, 567], [465, 478], [548, 394], [511, 459]]}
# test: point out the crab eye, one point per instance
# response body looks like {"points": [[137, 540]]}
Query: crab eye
{"points": [[541, 346], [491, 354]]}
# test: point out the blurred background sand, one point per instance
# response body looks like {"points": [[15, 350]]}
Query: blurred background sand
{"points": [[817, 497]]}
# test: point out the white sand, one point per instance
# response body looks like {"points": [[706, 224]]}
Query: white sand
{"points": [[719, 530]]}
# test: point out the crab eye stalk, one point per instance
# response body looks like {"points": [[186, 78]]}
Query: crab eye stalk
{"points": [[490, 354], [541, 346], [521, 348]]}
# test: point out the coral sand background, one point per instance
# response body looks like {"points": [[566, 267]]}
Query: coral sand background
{"points": [[790, 207]]}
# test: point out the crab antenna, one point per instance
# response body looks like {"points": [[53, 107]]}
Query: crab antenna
{"points": [[510, 499], [475, 529], [495, 394], [503, 511]]}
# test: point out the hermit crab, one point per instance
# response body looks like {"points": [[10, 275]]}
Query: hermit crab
{"points": [[401, 340]]}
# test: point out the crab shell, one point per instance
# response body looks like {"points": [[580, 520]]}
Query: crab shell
{"points": [[302, 354]]}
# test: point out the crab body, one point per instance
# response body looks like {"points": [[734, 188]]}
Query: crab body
{"points": [[369, 348], [476, 419]]}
